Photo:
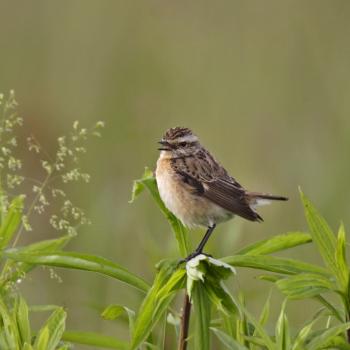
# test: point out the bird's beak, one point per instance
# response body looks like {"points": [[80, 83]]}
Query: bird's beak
{"points": [[165, 144]]}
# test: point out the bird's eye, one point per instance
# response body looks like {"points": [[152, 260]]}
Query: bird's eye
{"points": [[183, 144]]}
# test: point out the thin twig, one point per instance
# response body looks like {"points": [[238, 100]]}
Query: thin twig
{"points": [[185, 322]]}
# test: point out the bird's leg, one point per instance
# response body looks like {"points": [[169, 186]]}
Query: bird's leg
{"points": [[203, 242]]}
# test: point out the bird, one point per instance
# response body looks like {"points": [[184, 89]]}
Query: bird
{"points": [[198, 190]]}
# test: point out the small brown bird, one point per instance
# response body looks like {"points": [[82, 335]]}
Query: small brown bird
{"points": [[197, 189]]}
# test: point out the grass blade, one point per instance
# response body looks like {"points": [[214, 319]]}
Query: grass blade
{"points": [[94, 339], [84, 262]]}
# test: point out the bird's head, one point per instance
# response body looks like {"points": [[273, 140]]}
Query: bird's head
{"points": [[179, 142]]}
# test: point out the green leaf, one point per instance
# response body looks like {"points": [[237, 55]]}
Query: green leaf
{"points": [[220, 297], [304, 285], [274, 264], [113, 311], [42, 340], [50, 334], [259, 330], [11, 221], [27, 346], [301, 337], [202, 308], [13, 273], [157, 300], [203, 267], [149, 182], [226, 340], [84, 262], [326, 337], [22, 317], [321, 233], [9, 333], [334, 311], [94, 339], [265, 313], [282, 330], [276, 243], [340, 257]]}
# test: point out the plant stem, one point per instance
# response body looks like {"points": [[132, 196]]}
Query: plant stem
{"points": [[348, 330], [185, 322]]}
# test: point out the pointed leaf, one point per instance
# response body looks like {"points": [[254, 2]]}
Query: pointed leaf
{"points": [[9, 330], [321, 233], [50, 334], [265, 313], [157, 300], [42, 340], [11, 221], [282, 330], [22, 317], [228, 341], [325, 337], [50, 245], [301, 337], [276, 244], [80, 261], [340, 256], [113, 311], [148, 181], [305, 285], [202, 308], [95, 339], [274, 264], [269, 344]]}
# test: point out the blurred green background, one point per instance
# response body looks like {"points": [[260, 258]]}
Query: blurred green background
{"points": [[265, 84]]}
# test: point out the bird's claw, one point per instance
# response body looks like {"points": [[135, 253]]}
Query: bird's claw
{"points": [[191, 256]]}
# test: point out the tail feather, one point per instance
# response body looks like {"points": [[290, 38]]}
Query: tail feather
{"points": [[258, 195]]}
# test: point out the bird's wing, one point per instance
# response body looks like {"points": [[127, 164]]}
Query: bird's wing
{"points": [[207, 178]]}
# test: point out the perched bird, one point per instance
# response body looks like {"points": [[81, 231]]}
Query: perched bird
{"points": [[197, 189]]}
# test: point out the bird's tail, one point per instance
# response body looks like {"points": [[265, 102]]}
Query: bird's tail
{"points": [[257, 198]]}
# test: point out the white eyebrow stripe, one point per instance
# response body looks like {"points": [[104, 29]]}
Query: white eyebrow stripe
{"points": [[187, 138]]}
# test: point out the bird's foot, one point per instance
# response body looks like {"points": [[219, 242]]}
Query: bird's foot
{"points": [[193, 255]]}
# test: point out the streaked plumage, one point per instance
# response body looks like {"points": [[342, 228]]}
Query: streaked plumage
{"points": [[196, 188]]}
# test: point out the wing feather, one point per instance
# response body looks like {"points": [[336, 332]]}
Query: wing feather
{"points": [[208, 179]]}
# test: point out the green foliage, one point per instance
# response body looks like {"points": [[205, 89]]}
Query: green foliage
{"points": [[148, 181], [94, 339], [11, 221], [80, 261], [15, 213], [296, 279], [215, 309], [167, 281]]}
